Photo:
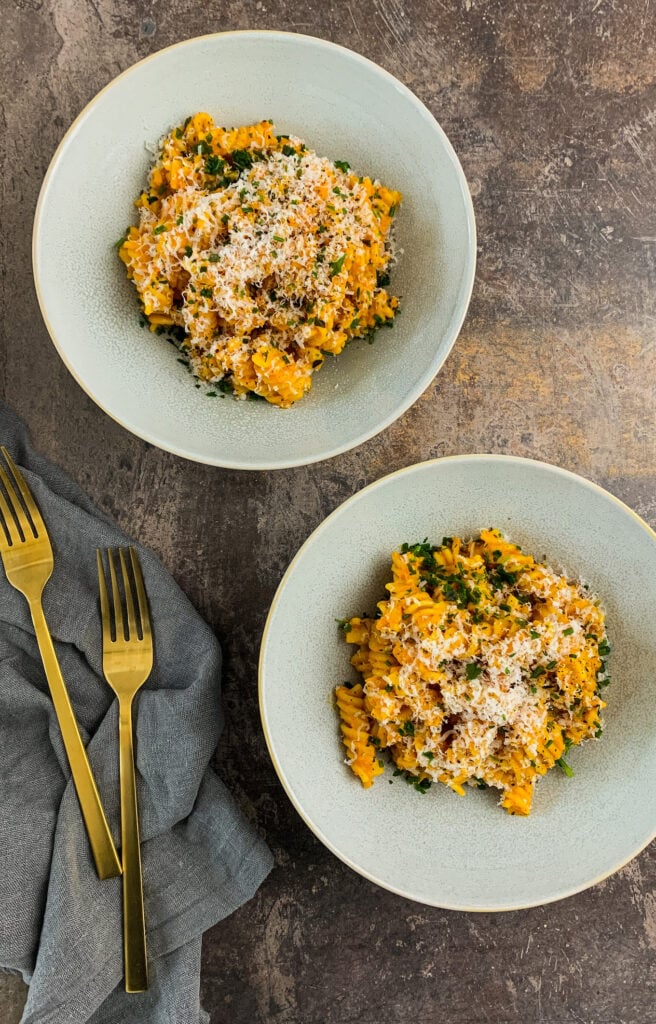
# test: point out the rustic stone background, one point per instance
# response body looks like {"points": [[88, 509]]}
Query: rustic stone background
{"points": [[551, 107]]}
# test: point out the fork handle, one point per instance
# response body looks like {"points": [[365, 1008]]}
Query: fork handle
{"points": [[134, 926], [102, 845]]}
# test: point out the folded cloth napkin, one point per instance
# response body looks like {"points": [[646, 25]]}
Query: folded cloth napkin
{"points": [[60, 927]]}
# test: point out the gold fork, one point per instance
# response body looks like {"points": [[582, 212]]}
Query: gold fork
{"points": [[28, 560], [127, 663]]}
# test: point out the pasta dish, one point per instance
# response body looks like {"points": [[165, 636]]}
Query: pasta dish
{"points": [[262, 255], [482, 668]]}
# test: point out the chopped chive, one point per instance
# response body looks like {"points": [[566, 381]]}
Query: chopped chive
{"points": [[562, 763]]}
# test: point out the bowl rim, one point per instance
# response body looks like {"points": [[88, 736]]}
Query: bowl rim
{"points": [[462, 299], [341, 509]]}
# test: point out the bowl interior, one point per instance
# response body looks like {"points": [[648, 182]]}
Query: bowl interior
{"points": [[440, 848], [341, 105]]}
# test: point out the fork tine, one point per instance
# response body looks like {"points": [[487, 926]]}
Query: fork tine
{"points": [[105, 613], [30, 503], [24, 524], [141, 595], [9, 523], [116, 597], [133, 629]]}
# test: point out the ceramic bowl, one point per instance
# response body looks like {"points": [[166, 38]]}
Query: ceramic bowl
{"points": [[342, 106], [439, 848]]}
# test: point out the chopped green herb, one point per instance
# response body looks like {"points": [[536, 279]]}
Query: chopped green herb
{"points": [[242, 158], [214, 165], [568, 631], [160, 227], [473, 671], [337, 265], [342, 165]]}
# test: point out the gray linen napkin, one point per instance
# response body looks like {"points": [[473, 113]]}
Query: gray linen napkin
{"points": [[60, 927]]}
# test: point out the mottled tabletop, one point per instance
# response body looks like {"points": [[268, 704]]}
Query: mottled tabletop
{"points": [[551, 107]]}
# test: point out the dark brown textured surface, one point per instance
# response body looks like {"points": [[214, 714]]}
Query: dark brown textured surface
{"points": [[552, 109]]}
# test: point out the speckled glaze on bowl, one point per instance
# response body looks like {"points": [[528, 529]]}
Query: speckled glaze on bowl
{"points": [[438, 848], [343, 106]]}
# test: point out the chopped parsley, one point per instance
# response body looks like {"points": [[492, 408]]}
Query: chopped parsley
{"points": [[337, 265], [242, 158]]}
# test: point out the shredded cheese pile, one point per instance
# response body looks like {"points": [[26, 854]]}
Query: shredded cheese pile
{"points": [[264, 254], [483, 668]]}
